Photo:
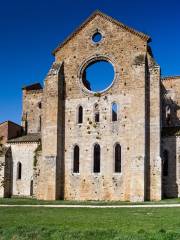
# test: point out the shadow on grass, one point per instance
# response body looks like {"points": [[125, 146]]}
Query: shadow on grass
{"points": [[42, 233]]}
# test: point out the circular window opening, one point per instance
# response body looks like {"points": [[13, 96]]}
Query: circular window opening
{"points": [[97, 37], [98, 75]]}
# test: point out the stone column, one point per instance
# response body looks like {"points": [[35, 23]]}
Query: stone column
{"points": [[137, 138], [153, 167], [51, 167]]}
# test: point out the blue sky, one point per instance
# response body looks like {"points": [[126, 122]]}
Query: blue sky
{"points": [[100, 75], [30, 30]]}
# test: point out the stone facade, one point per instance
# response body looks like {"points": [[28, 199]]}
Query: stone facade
{"points": [[171, 181], [51, 114], [32, 108], [171, 101], [23, 153], [170, 96]]}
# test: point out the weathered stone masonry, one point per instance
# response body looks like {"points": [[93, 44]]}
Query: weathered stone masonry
{"points": [[143, 128]]}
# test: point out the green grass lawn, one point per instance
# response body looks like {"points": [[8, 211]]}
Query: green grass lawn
{"points": [[31, 201], [85, 224]]}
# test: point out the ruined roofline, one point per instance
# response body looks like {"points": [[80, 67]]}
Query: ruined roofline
{"points": [[8, 121], [34, 91], [34, 86], [92, 16], [168, 78], [31, 137]]}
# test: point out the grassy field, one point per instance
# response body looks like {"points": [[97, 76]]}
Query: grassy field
{"points": [[86, 224], [31, 201]]}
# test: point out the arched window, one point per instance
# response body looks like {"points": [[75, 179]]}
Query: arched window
{"points": [[114, 112], [19, 170], [165, 161], [96, 113], [97, 156], [76, 159], [117, 157], [80, 114]]}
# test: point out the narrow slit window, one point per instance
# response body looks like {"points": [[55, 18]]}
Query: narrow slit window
{"points": [[80, 114], [165, 162], [114, 112], [26, 124], [19, 170], [97, 154], [96, 113], [76, 160], [117, 156], [96, 117], [40, 123]]}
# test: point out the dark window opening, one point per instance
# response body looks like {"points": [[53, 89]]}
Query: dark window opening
{"points": [[26, 124], [96, 37], [96, 117], [31, 188], [96, 112], [19, 170], [114, 112], [117, 158], [76, 160], [97, 152], [40, 123], [80, 114], [165, 161], [39, 105]]}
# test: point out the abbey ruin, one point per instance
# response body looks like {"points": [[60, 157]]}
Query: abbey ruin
{"points": [[117, 143]]}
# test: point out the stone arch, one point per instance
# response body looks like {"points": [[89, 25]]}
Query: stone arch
{"points": [[76, 155], [117, 158]]}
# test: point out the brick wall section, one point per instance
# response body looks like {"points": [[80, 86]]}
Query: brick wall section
{"points": [[4, 131], [10, 130]]}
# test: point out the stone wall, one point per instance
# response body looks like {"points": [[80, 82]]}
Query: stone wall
{"points": [[136, 91], [52, 167], [32, 108], [23, 153], [171, 101], [152, 173], [36, 169], [128, 54], [171, 182]]}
